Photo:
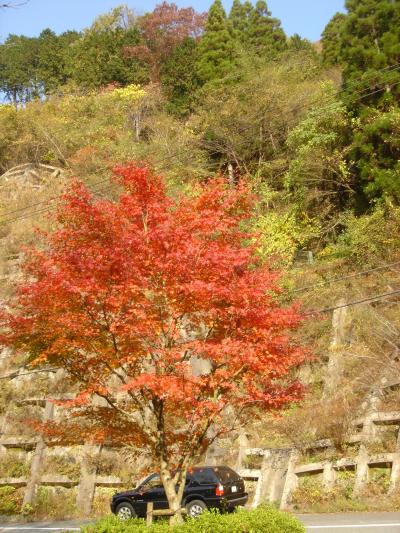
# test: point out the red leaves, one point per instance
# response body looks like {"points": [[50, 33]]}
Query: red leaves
{"points": [[164, 29], [129, 296]]}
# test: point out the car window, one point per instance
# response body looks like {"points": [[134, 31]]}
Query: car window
{"points": [[204, 476], [152, 483], [225, 474]]}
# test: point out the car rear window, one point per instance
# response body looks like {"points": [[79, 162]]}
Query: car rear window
{"points": [[204, 476], [225, 474]]}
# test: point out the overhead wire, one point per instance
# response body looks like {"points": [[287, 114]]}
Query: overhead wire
{"points": [[349, 276], [172, 157], [354, 302], [17, 374]]}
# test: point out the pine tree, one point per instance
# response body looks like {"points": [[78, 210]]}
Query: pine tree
{"points": [[370, 46], [18, 68], [297, 43], [369, 52], [217, 48], [266, 37], [52, 54], [98, 58], [179, 78], [239, 17], [331, 40]]}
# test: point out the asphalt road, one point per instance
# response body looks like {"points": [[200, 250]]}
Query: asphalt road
{"points": [[352, 522], [326, 523]]}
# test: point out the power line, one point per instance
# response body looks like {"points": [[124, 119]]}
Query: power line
{"points": [[395, 66], [104, 189], [18, 374], [322, 109], [355, 302], [51, 199], [354, 275]]}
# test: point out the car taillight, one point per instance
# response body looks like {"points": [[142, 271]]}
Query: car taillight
{"points": [[219, 491]]}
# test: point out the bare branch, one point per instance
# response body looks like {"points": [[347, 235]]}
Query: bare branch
{"points": [[13, 5]]}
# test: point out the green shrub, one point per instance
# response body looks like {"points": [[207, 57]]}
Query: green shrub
{"points": [[368, 239], [63, 465], [10, 500], [54, 503], [12, 465], [264, 519]]}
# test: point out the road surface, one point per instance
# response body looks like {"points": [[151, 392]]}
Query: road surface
{"points": [[352, 523], [326, 523]]}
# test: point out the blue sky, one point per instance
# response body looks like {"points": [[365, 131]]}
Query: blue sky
{"points": [[306, 17]]}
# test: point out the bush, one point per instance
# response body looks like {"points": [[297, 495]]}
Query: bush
{"points": [[264, 519], [369, 239], [10, 500], [54, 503], [11, 465]]}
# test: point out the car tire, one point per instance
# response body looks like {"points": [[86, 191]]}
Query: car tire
{"points": [[195, 508], [125, 511]]}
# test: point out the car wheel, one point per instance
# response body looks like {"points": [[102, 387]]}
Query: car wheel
{"points": [[195, 508], [125, 511]]}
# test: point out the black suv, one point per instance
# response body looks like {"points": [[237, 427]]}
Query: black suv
{"points": [[217, 487]]}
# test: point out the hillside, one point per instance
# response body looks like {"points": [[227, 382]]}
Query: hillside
{"points": [[314, 133]]}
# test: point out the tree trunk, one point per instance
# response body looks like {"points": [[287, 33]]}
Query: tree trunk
{"points": [[174, 492], [231, 175]]}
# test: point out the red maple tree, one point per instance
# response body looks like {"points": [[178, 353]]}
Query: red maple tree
{"points": [[128, 297], [162, 30]]}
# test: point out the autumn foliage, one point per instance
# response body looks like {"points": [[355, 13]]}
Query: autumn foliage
{"points": [[162, 31], [166, 321]]}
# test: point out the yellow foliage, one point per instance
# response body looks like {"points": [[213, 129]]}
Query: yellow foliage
{"points": [[128, 95], [281, 235]]}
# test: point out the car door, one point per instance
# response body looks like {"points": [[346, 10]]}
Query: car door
{"points": [[153, 491]]}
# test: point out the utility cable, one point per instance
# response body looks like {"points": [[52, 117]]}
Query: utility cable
{"points": [[354, 275], [17, 374], [355, 302], [394, 67]]}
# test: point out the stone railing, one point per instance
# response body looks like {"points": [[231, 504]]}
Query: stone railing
{"points": [[281, 469]]}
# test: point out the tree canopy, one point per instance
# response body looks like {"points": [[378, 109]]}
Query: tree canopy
{"points": [[155, 308]]}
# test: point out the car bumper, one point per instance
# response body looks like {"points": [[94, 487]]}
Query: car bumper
{"points": [[242, 500], [224, 503]]}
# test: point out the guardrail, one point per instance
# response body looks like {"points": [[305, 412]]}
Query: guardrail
{"points": [[159, 512]]}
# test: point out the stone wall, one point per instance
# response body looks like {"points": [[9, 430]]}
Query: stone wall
{"points": [[281, 469]]}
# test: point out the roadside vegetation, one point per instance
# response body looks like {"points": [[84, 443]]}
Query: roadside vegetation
{"points": [[261, 520]]}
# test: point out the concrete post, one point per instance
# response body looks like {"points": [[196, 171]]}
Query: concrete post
{"points": [[395, 474], [87, 483], [291, 481], [274, 484], [37, 459], [265, 471], [334, 370], [361, 470], [243, 445], [328, 476]]}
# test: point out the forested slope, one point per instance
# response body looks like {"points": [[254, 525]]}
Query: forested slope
{"points": [[315, 131]]}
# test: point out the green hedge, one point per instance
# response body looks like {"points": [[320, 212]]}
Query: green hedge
{"points": [[261, 520]]}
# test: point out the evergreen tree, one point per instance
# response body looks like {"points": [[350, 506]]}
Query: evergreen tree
{"points": [[332, 39], [370, 46], [375, 151], [98, 58], [18, 68], [266, 36], [297, 43], [217, 48], [52, 56], [179, 78], [239, 18]]}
